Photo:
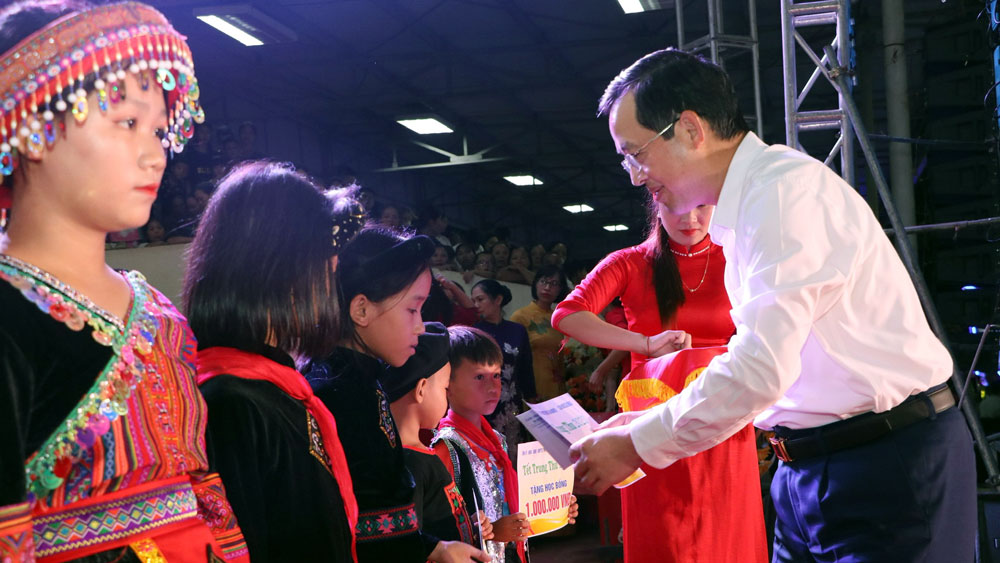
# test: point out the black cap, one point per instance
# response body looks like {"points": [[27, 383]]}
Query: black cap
{"points": [[431, 355]]}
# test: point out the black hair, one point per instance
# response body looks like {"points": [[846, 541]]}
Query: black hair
{"points": [[448, 249], [471, 344], [437, 307], [379, 263], [493, 289], [667, 284], [669, 81], [260, 265], [427, 214], [20, 19], [548, 271]]}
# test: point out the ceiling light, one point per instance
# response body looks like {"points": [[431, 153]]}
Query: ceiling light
{"points": [[526, 180], [578, 208], [631, 6], [615, 228], [970, 287], [245, 24], [424, 125], [636, 6], [231, 30]]}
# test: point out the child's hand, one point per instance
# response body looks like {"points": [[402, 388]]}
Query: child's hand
{"points": [[457, 552], [511, 528], [574, 509], [485, 525]]}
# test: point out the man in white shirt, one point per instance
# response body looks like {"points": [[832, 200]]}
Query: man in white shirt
{"points": [[832, 349]]}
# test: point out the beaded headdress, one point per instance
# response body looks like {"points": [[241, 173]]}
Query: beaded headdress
{"points": [[54, 70]]}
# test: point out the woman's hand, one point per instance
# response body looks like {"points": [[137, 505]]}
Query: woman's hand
{"points": [[666, 342], [457, 552], [597, 379], [514, 527]]}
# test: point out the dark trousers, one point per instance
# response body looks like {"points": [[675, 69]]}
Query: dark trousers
{"points": [[907, 497]]}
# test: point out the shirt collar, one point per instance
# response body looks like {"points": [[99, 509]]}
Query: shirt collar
{"points": [[728, 208]]}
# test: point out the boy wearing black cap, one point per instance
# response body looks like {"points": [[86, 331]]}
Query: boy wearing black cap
{"points": [[417, 391]]}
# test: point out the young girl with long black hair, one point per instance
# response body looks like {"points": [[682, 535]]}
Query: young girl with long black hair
{"points": [[384, 279], [260, 291]]}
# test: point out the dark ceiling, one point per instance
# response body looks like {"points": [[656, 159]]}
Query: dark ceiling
{"points": [[520, 76]]}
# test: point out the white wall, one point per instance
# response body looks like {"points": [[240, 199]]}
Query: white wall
{"points": [[163, 266]]}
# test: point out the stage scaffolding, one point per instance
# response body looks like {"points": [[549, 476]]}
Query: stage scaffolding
{"points": [[718, 43]]}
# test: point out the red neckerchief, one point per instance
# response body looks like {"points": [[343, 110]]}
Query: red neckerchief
{"points": [[484, 443], [246, 365]]}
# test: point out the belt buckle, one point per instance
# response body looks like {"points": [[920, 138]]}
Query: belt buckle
{"points": [[778, 445]]}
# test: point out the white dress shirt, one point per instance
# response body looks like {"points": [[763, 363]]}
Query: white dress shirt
{"points": [[828, 323]]}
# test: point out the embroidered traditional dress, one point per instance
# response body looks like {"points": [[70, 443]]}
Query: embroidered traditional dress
{"points": [[478, 460], [103, 429], [387, 529], [441, 509], [707, 507], [278, 451]]}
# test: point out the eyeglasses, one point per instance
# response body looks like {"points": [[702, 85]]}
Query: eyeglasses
{"points": [[630, 163], [548, 283]]}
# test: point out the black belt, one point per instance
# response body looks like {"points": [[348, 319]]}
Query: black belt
{"points": [[791, 445]]}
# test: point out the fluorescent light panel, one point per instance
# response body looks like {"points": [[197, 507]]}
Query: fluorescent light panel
{"points": [[231, 30], [636, 6], [578, 208], [615, 228], [424, 125], [525, 180], [631, 6]]}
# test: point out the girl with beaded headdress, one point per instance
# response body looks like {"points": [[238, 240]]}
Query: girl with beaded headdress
{"points": [[102, 456]]}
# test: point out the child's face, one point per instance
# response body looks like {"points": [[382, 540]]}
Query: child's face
{"points": [[155, 231], [435, 404], [121, 153], [474, 388], [396, 323]]}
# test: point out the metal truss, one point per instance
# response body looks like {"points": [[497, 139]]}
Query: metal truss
{"points": [[795, 15]]}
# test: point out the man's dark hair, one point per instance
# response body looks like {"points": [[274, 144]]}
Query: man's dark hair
{"points": [[472, 345], [260, 265], [669, 81]]}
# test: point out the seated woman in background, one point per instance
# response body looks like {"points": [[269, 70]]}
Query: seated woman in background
{"points": [[517, 269], [484, 268], [516, 373], [443, 258], [549, 287]]}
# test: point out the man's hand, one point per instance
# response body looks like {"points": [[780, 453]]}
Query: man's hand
{"points": [[457, 552], [667, 342], [513, 527], [604, 458]]}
